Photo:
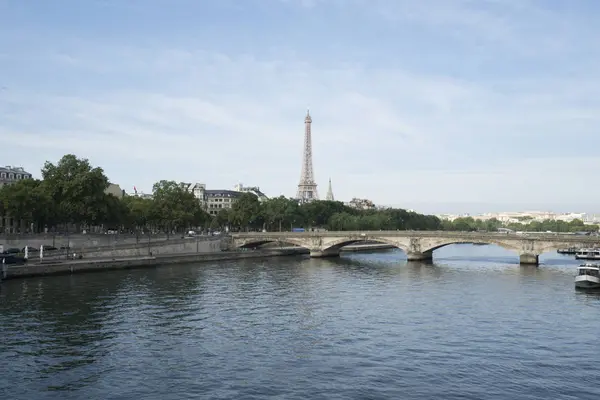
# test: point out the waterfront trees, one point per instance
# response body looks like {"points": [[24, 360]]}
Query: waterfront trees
{"points": [[247, 213], [73, 193], [26, 201], [76, 190], [172, 208], [281, 213]]}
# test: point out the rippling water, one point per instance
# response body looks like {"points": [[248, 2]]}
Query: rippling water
{"points": [[474, 325]]}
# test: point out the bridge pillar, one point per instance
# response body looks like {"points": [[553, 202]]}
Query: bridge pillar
{"points": [[529, 259], [316, 253], [419, 256]]}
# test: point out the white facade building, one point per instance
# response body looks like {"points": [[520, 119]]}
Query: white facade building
{"points": [[250, 189]]}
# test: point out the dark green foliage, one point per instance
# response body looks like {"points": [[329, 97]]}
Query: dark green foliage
{"points": [[73, 192]]}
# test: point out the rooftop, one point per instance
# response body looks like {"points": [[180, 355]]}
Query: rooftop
{"points": [[223, 193], [16, 170]]}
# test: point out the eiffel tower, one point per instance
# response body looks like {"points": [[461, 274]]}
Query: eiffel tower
{"points": [[307, 188]]}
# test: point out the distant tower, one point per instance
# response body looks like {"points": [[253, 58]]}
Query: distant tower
{"points": [[329, 196], [307, 188]]}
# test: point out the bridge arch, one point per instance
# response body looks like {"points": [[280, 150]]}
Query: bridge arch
{"points": [[336, 245], [438, 244], [250, 243]]}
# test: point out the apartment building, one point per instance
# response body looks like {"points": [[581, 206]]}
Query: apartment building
{"points": [[10, 174], [255, 190], [216, 200]]}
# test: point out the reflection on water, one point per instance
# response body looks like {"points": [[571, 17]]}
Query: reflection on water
{"points": [[470, 324]]}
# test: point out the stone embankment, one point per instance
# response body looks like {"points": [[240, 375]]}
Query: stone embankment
{"points": [[200, 244], [58, 267], [169, 253], [77, 240]]}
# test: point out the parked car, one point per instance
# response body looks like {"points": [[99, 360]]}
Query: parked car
{"points": [[12, 250], [30, 249], [12, 259]]}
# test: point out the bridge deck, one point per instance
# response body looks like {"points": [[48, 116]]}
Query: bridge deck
{"points": [[479, 236]]}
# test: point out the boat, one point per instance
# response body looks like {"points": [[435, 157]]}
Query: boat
{"points": [[588, 276], [569, 250], [588, 254]]}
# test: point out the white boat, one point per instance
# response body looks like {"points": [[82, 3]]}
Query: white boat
{"points": [[588, 254], [588, 276]]}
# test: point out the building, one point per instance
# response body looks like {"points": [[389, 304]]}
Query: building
{"points": [[11, 174], [115, 190], [197, 189], [521, 217], [329, 196], [217, 200], [255, 190], [307, 188], [361, 204]]}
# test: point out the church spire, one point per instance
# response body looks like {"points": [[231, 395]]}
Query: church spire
{"points": [[329, 196]]}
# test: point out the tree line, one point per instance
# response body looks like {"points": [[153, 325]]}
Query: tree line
{"points": [[72, 195], [527, 225]]}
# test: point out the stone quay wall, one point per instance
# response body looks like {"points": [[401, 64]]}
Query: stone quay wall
{"points": [[77, 240], [98, 265]]}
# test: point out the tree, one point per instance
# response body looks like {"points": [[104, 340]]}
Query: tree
{"points": [[275, 211], [27, 201], [74, 192], [221, 219], [246, 212], [76, 189], [174, 208], [115, 212]]}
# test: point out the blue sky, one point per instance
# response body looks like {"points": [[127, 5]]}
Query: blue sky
{"points": [[437, 105]]}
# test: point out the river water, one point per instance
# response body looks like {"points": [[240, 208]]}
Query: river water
{"points": [[472, 325]]}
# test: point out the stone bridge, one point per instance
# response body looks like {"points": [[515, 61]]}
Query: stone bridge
{"points": [[418, 245]]}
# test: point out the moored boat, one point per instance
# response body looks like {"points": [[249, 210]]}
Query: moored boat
{"points": [[588, 276], [569, 250], [588, 254]]}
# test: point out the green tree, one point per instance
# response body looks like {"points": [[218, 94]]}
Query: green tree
{"points": [[138, 214], [221, 219], [27, 201], [247, 212], [174, 208], [115, 213], [275, 211], [76, 189]]}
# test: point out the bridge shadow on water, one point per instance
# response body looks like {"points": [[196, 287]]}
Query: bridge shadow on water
{"points": [[380, 269]]}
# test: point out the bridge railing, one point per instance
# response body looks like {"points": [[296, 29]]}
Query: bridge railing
{"points": [[528, 235]]}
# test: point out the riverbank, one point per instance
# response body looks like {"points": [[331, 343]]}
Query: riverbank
{"points": [[61, 267], [32, 269]]}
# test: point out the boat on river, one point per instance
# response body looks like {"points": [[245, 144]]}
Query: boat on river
{"points": [[588, 254], [568, 250], [588, 276]]}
